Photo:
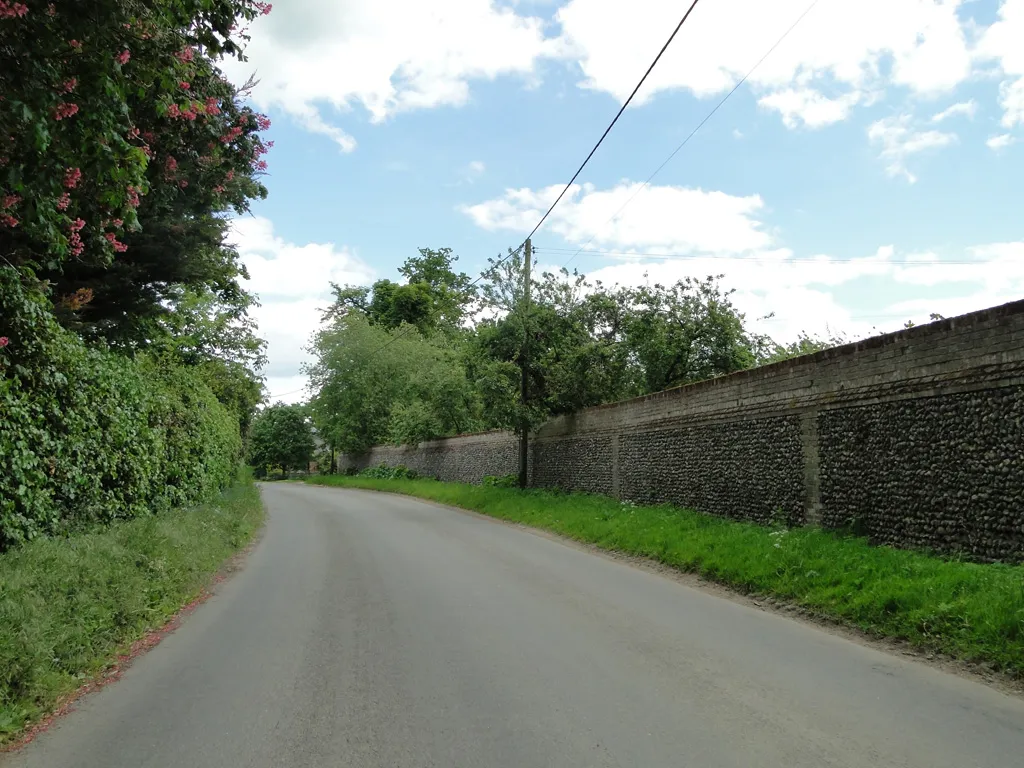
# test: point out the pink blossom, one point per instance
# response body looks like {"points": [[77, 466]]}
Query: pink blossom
{"points": [[119, 247], [69, 85], [230, 175], [8, 220], [231, 135], [183, 183], [171, 164], [117, 223], [146, 150], [4, 341], [218, 189], [64, 201], [264, 8], [9, 11], [9, 201], [270, 145], [261, 165], [133, 133], [185, 84], [71, 177], [173, 110], [133, 197], [263, 122], [65, 109], [185, 55], [74, 43], [123, 56], [77, 225]]}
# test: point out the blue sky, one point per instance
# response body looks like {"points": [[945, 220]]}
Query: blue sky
{"points": [[878, 133]]}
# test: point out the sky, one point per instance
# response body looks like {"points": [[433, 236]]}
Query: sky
{"points": [[869, 171]]}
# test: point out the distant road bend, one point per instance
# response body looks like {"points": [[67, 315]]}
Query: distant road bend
{"points": [[374, 630]]}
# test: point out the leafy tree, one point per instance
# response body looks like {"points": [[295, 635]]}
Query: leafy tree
{"points": [[282, 436], [805, 344]]}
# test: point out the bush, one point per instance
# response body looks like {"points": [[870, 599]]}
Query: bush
{"points": [[384, 472], [88, 436], [504, 481]]}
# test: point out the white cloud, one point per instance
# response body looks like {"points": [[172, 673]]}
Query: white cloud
{"points": [[898, 140], [477, 167], [387, 55], [1002, 42], [840, 48], [293, 284], [809, 107], [1001, 141], [671, 219], [966, 108]]}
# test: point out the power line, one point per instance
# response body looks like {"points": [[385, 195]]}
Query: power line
{"points": [[582, 165], [617, 116], [867, 260], [700, 125]]}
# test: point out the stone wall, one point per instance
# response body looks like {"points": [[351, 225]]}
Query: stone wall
{"points": [[914, 438]]}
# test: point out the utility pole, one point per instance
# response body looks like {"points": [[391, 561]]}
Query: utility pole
{"points": [[524, 452]]}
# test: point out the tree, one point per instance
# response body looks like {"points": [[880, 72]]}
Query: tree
{"points": [[282, 436], [805, 344]]}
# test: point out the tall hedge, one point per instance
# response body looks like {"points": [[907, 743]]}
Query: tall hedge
{"points": [[88, 436]]}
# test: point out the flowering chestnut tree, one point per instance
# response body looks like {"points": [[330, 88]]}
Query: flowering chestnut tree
{"points": [[108, 107]]}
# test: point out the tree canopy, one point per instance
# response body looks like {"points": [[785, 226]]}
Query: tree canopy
{"points": [[437, 355]]}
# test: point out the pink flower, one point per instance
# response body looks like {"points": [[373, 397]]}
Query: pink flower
{"points": [[133, 133], [7, 220], [183, 183], [71, 178], [4, 341], [172, 164], [185, 84], [230, 175], [119, 247], [261, 165], [231, 135], [133, 197], [74, 43], [270, 145], [173, 110], [65, 109], [10, 10], [9, 201], [64, 202], [122, 57], [146, 150], [211, 106], [69, 85], [117, 223], [77, 225], [218, 189], [263, 122], [264, 8], [185, 55]]}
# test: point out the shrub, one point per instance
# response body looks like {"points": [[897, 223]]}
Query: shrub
{"points": [[88, 436], [384, 472]]}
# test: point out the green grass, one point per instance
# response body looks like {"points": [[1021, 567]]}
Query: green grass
{"points": [[967, 610], [69, 606]]}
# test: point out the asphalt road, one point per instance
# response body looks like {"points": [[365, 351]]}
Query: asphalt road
{"points": [[372, 630]]}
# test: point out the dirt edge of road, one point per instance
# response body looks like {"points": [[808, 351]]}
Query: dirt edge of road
{"points": [[128, 655]]}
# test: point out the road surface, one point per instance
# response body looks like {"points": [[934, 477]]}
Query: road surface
{"points": [[373, 630]]}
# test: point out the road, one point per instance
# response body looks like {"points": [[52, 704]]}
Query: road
{"points": [[373, 630]]}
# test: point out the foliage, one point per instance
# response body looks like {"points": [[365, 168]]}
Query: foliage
{"points": [[384, 472], [282, 436], [375, 386], [70, 605], [805, 344], [505, 481], [968, 610], [88, 436], [435, 357]]}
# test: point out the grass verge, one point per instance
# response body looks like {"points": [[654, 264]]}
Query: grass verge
{"points": [[68, 607], [969, 611]]}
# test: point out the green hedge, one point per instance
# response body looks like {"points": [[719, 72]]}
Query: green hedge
{"points": [[88, 436]]}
